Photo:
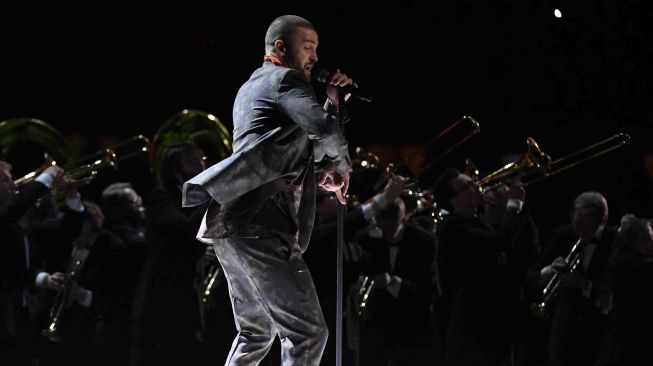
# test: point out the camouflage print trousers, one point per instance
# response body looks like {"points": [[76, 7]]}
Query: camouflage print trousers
{"points": [[272, 293]]}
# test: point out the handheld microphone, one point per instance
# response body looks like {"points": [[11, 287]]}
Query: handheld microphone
{"points": [[322, 76]]}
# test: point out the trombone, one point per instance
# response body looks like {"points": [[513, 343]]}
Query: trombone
{"points": [[126, 149], [550, 291], [535, 165], [446, 142], [574, 159], [533, 160]]}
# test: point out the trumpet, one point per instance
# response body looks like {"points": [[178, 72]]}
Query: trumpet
{"points": [[79, 176], [211, 281], [63, 299], [85, 173], [364, 289], [550, 291], [31, 176]]}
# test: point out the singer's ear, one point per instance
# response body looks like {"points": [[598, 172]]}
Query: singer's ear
{"points": [[279, 46]]}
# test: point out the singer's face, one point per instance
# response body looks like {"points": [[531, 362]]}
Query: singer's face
{"points": [[302, 50]]}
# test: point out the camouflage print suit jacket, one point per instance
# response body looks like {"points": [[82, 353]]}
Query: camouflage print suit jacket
{"points": [[280, 130]]}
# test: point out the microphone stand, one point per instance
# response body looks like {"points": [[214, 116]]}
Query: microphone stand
{"points": [[340, 232], [339, 248]]}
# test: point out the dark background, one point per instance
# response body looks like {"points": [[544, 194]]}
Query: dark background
{"points": [[110, 70]]}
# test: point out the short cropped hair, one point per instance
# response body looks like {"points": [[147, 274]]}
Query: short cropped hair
{"points": [[282, 28]]}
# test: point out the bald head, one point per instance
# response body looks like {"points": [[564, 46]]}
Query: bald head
{"points": [[282, 29], [590, 213], [592, 204]]}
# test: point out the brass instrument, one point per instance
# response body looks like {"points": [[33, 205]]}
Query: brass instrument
{"points": [[213, 138], [535, 165], [574, 159], [62, 300], [85, 173], [370, 178], [31, 176], [365, 160], [134, 146], [364, 288], [453, 136], [24, 142], [203, 128], [210, 282], [550, 291], [367, 177], [80, 175], [38, 137], [531, 161]]}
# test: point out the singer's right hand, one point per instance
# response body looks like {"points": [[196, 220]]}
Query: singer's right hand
{"points": [[336, 80], [333, 181]]}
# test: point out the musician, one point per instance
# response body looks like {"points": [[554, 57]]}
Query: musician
{"points": [[398, 327], [79, 260], [577, 324], [630, 278], [118, 268], [261, 229], [166, 308], [96, 316], [475, 309], [19, 275], [323, 246], [519, 257]]}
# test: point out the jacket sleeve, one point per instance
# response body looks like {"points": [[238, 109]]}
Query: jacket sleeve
{"points": [[24, 200], [296, 98]]}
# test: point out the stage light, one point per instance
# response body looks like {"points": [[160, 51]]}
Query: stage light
{"points": [[557, 13]]}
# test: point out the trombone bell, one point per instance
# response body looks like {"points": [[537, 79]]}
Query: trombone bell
{"points": [[533, 160]]}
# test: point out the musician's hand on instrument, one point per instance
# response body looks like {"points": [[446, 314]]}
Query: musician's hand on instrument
{"points": [[59, 184], [56, 281], [560, 264], [496, 196], [394, 187], [54, 171]]}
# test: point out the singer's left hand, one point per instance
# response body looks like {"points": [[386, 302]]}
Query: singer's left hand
{"points": [[337, 79]]}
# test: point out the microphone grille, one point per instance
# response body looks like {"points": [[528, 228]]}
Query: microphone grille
{"points": [[320, 74]]}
